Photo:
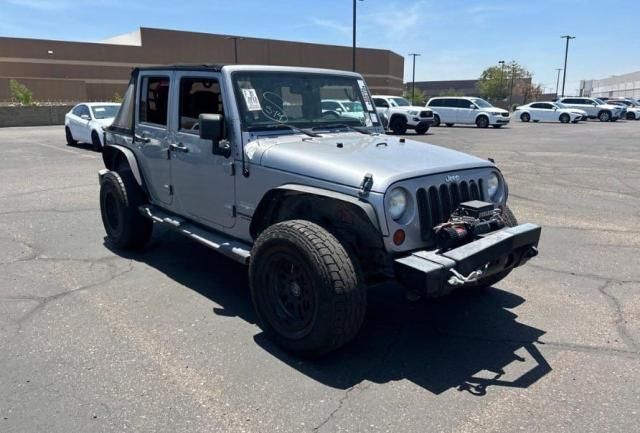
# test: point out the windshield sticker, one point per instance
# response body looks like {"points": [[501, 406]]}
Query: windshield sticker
{"points": [[98, 109], [365, 95], [274, 107], [251, 99]]}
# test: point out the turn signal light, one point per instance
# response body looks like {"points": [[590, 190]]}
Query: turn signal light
{"points": [[398, 237]]}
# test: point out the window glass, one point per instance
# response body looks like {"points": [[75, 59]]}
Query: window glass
{"points": [[463, 103], [401, 102], [537, 105], [330, 105], [104, 111], [435, 103], [197, 96], [76, 110], [124, 118], [154, 100], [481, 103], [379, 102]]}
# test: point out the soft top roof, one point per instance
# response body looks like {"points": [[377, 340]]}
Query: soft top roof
{"points": [[232, 68]]}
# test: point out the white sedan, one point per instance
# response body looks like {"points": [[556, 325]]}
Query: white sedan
{"points": [[86, 121], [548, 112]]}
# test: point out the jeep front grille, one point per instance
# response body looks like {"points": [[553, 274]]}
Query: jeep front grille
{"points": [[435, 203], [427, 113]]}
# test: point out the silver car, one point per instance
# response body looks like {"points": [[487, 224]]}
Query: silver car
{"points": [[244, 160]]}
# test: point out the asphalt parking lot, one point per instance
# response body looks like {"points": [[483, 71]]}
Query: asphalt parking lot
{"points": [[92, 340]]}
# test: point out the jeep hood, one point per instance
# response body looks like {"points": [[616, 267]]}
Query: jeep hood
{"points": [[346, 158]]}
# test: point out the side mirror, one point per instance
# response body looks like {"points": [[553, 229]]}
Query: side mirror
{"points": [[85, 117], [473, 107], [212, 128], [594, 104]]}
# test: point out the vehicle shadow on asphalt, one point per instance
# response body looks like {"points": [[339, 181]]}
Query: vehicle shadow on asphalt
{"points": [[468, 341]]}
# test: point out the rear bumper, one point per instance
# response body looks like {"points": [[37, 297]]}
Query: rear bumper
{"points": [[505, 249]]}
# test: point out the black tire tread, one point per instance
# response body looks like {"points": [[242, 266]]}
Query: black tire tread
{"points": [[337, 270], [139, 228]]}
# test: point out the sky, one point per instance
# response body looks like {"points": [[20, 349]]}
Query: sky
{"points": [[456, 39]]}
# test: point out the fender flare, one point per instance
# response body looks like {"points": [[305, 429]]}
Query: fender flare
{"points": [[110, 153], [485, 115], [365, 207], [395, 115]]}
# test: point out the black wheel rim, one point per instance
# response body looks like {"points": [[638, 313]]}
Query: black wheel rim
{"points": [[96, 140], [290, 295]]}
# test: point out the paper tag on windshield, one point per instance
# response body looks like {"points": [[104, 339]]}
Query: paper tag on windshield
{"points": [[365, 95], [251, 99], [98, 109]]}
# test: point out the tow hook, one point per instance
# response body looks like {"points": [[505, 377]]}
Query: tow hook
{"points": [[458, 279]]}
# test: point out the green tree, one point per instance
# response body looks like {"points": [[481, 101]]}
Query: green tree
{"points": [[418, 98], [117, 98], [497, 83], [20, 93]]}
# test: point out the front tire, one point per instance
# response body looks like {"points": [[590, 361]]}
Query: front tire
{"points": [[398, 125], [604, 116], [630, 116], [308, 293], [565, 118], [120, 197], [482, 122], [95, 141], [69, 136], [422, 130]]}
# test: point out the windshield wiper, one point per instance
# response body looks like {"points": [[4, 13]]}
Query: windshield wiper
{"points": [[342, 126], [282, 126]]}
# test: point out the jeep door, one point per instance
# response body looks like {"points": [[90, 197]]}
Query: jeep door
{"points": [[203, 183], [151, 138]]}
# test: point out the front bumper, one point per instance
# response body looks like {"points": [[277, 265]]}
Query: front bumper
{"points": [[431, 273], [499, 120], [422, 123]]}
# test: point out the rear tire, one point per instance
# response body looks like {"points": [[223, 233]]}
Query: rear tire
{"points": [[69, 136], [422, 131], [308, 293], [525, 117], [120, 196], [398, 125], [449, 124], [565, 118], [482, 122], [484, 283]]}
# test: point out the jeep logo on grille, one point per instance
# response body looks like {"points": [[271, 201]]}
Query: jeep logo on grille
{"points": [[452, 178]]}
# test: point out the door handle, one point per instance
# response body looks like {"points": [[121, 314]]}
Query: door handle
{"points": [[141, 139], [179, 147]]}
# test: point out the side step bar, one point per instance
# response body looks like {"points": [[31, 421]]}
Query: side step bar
{"points": [[236, 250]]}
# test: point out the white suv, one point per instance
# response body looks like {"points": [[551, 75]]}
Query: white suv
{"points": [[398, 114], [595, 108], [467, 110]]}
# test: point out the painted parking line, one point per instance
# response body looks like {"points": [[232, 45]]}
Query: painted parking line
{"points": [[62, 149]]}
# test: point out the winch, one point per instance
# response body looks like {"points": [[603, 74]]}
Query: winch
{"points": [[467, 222]]}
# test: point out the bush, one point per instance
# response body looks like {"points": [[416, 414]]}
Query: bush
{"points": [[117, 98], [20, 93]]}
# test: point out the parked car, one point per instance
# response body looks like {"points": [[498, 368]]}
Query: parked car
{"points": [[467, 110], [543, 111], [241, 159], [337, 108], [401, 115], [633, 109], [595, 108], [86, 122]]}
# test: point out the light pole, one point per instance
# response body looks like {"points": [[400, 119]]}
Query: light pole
{"points": [[353, 54], [501, 62], [235, 46], [566, 54], [558, 80], [413, 79], [513, 73]]}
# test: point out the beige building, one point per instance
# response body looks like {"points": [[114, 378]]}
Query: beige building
{"points": [[64, 71]]}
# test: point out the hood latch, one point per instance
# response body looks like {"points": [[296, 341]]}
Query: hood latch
{"points": [[367, 183]]}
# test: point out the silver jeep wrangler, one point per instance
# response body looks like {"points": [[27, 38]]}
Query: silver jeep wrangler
{"points": [[244, 160]]}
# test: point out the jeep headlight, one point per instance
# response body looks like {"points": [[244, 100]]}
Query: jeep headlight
{"points": [[413, 112], [397, 203], [493, 185]]}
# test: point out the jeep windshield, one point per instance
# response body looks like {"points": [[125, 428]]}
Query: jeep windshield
{"points": [[295, 99]]}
